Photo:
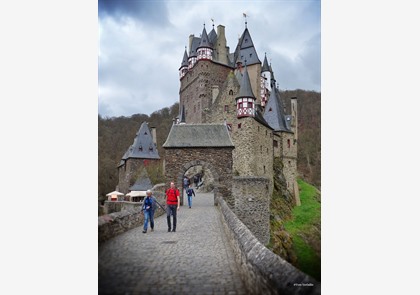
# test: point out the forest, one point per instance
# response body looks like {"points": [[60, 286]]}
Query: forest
{"points": [[116, 134]]}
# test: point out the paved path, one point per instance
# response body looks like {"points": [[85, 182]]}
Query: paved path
{"points": [[196, 259]]}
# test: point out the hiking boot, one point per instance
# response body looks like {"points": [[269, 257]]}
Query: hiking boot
{"points": [[174, 230], [169, 230], [152, 230], [144, 231]]}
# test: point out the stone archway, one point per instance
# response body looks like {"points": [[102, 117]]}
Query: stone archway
{"points": [[209, 145], [206, 166], [217, 160]]}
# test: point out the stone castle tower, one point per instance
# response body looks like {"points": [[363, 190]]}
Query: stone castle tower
{"points": [[235, 88], [142, 152]]}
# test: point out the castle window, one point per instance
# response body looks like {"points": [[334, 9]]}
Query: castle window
{"points": [[265, 132], [226, 108], [288, 143], [258, 128], [231, 92], [275, 143], [261, 148], [229, 126], [264, 168], [270, 109], [246, 40], [239, 125], [140, 148], [289, 162], [250, 55]]}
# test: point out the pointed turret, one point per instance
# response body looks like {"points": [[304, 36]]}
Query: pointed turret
{"points": [[246, 50], [245, 101], [265, 81], [192, 56], [274, 114], [204, 50], [184, 65], [143, 146]]}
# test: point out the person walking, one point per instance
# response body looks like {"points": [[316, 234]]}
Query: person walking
{"points": [[190, 193], [172, 202], [186, 183], [149, 206]]}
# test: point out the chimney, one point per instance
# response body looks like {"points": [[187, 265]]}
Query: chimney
{"points": [[153, 129], [190, 43]]}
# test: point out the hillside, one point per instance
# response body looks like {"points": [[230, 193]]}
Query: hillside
{"points": [[116, 134]]}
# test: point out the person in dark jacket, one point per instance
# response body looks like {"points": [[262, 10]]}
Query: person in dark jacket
{"points": [[149, 206], [190, 193]]}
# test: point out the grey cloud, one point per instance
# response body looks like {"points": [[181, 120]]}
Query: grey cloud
{"points": [[153, 12]]}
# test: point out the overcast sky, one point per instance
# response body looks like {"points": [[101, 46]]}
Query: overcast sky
{"points": [[141, 45]]}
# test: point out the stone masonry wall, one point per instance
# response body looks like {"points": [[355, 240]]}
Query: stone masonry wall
{"points": [[113, 224], [217, 160], [127, 174], [196, 88], [263, 271], [289, 159], [252, 205]]}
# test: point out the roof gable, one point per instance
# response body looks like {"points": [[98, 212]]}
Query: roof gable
{"points": [[143, 146]]}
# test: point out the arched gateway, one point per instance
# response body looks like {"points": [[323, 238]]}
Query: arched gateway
{"points": [[208, 145]]}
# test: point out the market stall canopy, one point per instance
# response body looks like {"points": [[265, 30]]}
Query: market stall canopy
{"points": [[136, 194], [115, 193]]}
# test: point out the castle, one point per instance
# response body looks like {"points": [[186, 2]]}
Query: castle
{"points": [[235, 88], [232, 123]]}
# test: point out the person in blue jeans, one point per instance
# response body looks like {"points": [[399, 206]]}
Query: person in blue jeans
{"points": [[190, 193], [149, 206]]}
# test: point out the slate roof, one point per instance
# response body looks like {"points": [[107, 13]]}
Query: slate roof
{"points": [[212, 37], [274, 114], [143, 146], [194, 45], [198, 135], [245, 51], [246, 89], [184, 62], [204, 42], [141, 184], [265, 67]]}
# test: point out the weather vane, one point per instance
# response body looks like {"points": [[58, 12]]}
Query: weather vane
{"points": [[244, 14]]}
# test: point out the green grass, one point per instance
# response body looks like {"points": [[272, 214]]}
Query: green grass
{"points": [[305, 217]]}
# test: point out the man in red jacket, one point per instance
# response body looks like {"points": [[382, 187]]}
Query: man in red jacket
{"points": [[172, 202]]}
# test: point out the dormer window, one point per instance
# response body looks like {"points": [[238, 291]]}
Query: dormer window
{"points": [[140, 148]]}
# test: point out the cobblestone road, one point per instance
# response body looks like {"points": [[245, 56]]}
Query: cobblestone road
{"points": [[196, 259]]}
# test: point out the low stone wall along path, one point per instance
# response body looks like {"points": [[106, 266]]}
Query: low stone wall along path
{"points": [[196, 259]]}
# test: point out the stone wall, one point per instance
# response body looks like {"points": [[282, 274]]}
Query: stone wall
{"points": [[196, 88], [252, 205], [113, 224], [127, 174], [263, 271], [217, 160]]}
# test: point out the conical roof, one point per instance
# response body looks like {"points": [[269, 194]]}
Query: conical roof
{"points": [[184, 62], [204, 42], [143, 146], [212, 37], [273, 113], [265, 67], [246, 89], [245, 51]]}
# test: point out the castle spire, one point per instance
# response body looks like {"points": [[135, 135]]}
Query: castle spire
{"points": [[204, 50], [274, 112], [245, 101], [184, 64]]}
